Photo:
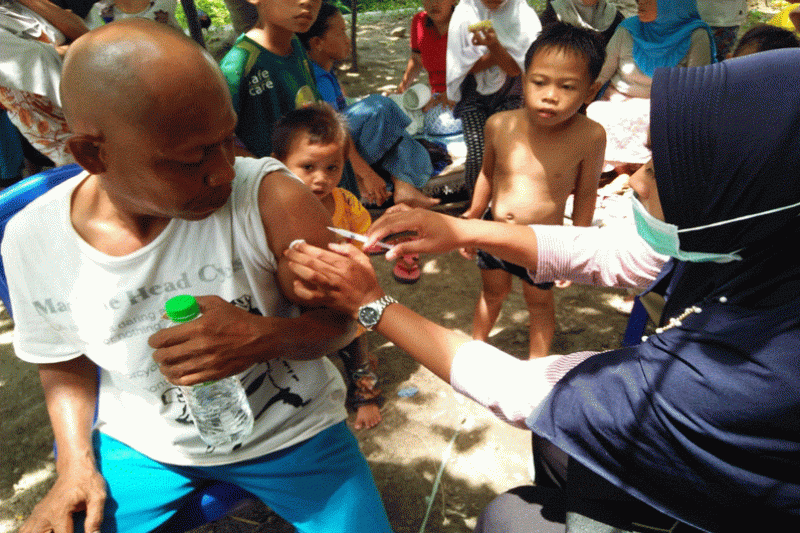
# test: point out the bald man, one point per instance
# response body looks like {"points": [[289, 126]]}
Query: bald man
{"points": [[164, 208]]}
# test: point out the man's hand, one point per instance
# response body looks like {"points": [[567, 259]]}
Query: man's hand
{"points": [[80, 489], [224, 341], [434, 232]]}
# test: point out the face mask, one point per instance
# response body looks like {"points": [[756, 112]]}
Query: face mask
{"points": [[663, 237]]}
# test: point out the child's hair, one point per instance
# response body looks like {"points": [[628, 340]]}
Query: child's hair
{"points": [[320, 26], [319, 121], [563, 36], [763, 37]]}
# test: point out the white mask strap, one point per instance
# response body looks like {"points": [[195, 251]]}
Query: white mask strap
{"points": [[744, 217]]}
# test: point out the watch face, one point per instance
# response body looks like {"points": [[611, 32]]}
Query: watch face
{"points": [[368, 317]]}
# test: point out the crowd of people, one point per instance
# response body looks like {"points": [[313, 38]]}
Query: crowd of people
{"points": [[222, 179]]}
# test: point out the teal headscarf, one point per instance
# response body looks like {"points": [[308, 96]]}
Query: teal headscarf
{"points": [[666, 40]]}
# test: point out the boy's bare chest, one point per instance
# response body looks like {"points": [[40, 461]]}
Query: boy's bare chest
{"points": [[550, 165]]}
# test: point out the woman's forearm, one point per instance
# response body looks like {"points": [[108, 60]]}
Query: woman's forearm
{"points": [[431, 345]]}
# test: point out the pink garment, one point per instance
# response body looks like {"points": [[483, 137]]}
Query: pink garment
{"points": [[612, 256]]}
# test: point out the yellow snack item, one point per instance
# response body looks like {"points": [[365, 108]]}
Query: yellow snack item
{"points": [[482, 25]]}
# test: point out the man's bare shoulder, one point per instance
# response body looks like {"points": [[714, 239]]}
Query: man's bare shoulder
{"points": [[280, 186]]}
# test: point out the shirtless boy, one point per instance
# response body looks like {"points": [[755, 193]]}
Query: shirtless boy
{"points": [[535, 157]]}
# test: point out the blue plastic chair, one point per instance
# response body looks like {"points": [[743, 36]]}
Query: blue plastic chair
{"points": [[212, 501]]}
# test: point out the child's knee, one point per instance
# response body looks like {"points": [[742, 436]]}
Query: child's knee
{"points": [[539, 301], [494, 290]]}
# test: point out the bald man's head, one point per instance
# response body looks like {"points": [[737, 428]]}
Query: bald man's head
{"points": [[138, 71], [151, 118]]}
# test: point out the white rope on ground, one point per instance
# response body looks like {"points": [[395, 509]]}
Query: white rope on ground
{"points": [[445, 457]]}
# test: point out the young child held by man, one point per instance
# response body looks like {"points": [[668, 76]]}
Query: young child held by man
{"points": [[535, 157], [313, 142]]}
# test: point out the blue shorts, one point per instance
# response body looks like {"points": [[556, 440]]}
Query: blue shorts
{"points": [[322, 484]]}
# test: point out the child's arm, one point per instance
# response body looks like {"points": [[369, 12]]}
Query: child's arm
{"points": [[588, 178], [412, 69], [497, 55], [482, 194]]}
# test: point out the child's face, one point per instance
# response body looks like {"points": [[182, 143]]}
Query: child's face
{"points": [[439, 11], [295, 16], [556, 85], [335, 41], [320, 166]]}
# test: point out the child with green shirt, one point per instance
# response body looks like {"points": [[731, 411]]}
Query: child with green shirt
{"points": [[269, 75], [268, 72]]}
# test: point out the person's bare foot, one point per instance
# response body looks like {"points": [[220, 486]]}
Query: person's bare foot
{"points": [[367, 416], [405, 193]]}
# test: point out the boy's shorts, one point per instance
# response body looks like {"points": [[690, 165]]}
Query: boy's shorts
{"points": [[487, 261]]}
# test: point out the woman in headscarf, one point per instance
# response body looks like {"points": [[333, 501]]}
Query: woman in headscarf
{"points": [[700, 423], [664, 33], [486, 45], [598, 15]]}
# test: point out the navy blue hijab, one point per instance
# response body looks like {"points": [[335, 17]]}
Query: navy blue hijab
{"points": [[702, 421]]}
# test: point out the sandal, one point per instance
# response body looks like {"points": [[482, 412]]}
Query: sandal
{"points": [[407, 270]]}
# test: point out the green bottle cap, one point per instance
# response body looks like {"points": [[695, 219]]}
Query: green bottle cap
{"points": [[182, 308]]}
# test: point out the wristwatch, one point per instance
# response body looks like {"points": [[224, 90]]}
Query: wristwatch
{"points": [[370, 314]]}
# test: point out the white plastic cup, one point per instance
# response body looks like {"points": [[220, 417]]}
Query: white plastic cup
{"points": [[416, 96]]}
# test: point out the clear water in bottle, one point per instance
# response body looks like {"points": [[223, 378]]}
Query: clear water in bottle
{"points": [[220, 409]]}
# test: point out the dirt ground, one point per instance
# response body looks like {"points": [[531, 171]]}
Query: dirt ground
{"points": [[412, 443]]}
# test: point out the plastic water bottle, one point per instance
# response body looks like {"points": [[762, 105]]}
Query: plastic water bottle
{"points": [[220, 409]]}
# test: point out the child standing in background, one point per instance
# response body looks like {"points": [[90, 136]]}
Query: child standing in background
{"points": [[535, 158], [484, 65], [313, 142], [429, 51], [268, 72], [377, 125]]}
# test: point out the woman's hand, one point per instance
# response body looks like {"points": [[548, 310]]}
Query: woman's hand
{"points": [[342, 278], [433, 232]]}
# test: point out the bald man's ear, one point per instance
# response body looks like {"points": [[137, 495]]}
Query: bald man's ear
{"points": [[87, 152]]}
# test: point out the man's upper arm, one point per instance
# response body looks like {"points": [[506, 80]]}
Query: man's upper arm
{"points": [[290, 211]]}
